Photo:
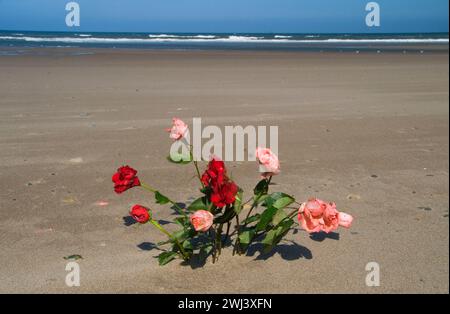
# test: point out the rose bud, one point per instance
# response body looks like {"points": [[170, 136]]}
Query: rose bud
{"points": [[140, 214], [124, 179], [268, 161], [201, 220]]}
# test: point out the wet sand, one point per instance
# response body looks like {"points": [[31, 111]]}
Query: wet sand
{"points": [[368, 131]]}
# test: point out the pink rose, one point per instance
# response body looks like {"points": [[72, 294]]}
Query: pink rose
{"points": [[330, 218], [345, 220], [268, 161], [316, 215], [202, 220], [310, 215], [178, 129]]}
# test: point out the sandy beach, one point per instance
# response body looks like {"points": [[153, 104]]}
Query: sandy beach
{"points": [[368, 131]]}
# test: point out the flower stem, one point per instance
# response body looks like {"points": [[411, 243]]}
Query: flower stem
{"points": [[196, 165], [175, 205], [238, 230], [255, 202], [161, 228]]}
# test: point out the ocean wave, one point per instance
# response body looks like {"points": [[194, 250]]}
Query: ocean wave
{"points": [[182, 36], [282, 36], [231, 38]]}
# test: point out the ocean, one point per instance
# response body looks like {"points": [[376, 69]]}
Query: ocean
{"points": [[241, 41]]}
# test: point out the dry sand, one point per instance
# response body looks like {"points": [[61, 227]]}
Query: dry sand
{"points": [[369, 131]]}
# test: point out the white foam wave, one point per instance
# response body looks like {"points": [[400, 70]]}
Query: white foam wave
{"points": [[182, 36], [233, 38], [282, 36]]}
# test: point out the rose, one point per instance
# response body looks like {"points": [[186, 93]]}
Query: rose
{"points": [[268, 161], [124, 179], [330, 218], [223, 190], [310, 215], [215, 174], [317, 215], [224, 194], [201, 220], [178, 129], [140, 214]]}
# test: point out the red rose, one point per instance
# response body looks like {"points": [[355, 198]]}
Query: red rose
{"points": [[223, 190], [224, 194], [124, 179], [140, 214], [215, 174]]}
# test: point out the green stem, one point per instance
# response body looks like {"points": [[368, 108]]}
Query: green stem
{"points": [[161, 228], [237, 243], [151, 189], [196, 165], [255, 202], [198, 173], [227, 235]]}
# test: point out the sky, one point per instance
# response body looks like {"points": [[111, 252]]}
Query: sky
{"points": [[226, 16]]}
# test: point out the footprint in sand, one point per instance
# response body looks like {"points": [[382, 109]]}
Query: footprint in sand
{"points": [[353, 197]]}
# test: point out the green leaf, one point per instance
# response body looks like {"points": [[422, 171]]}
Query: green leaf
{"points": [[205, 251], [166, 257], [283, 228], [178, 158], [246, 236], [262, 187], [266, 218], [251, 219], [278, 200], [182, 221], [269, 238], [227, 216], [199, 203], [238, 202], [161, 199], [279, 216], [187, 245], [274, 236], [183, 234], [164, 242]]}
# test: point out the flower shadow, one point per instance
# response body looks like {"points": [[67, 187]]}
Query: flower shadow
{"points": [[128, 221], [289, 252], [174, 209], [148, 246], [320, 236]]}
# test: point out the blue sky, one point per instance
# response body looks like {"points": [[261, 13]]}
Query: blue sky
{"points": [[246, 16]]}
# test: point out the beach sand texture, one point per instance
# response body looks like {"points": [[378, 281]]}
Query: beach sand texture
{"points": [[368, 131]]}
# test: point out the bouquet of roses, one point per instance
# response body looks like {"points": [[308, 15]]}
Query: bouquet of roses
{"points": [[219, 217]]}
